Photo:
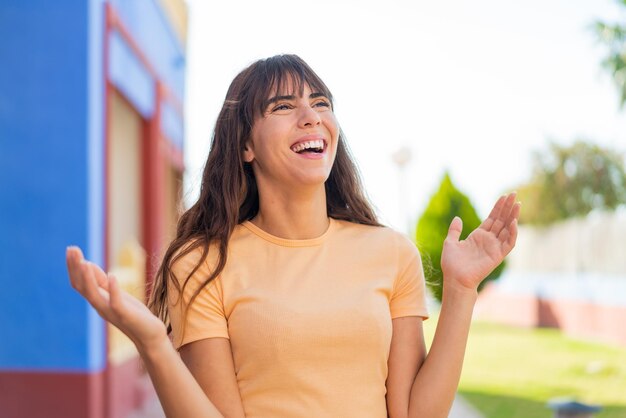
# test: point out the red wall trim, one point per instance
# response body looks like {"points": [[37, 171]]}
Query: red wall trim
{"points": [[52, 395], [173, 155], [76, 395], [153, 193], [577, 318]]}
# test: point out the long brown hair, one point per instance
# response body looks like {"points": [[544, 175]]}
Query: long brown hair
{"points": [[229, 195]]}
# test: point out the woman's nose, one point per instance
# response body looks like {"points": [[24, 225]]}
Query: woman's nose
{"points": [[309, 117]]}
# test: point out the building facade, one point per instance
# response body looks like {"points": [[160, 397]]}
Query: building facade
{"points": [[91, 154]]}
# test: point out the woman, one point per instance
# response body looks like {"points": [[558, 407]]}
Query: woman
{"points": [[285, 295]]}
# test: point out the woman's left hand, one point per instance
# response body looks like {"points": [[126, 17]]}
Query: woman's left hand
{"points": [[466, 263]]}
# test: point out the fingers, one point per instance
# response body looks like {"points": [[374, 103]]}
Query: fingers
{"points": [[100, 275], [493, 215], [456, 227], [73, 258], [510, 242], [89, 288], [74, 252], [505, 215], [115, 293], [514, 215], [507, 237], [84, 278], [508, 234], [505, 211]]}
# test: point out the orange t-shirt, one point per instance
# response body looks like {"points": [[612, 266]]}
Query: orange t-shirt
{"points": [[309, 321]]}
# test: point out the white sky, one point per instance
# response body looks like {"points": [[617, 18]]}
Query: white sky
{"points": [[471, 87]]}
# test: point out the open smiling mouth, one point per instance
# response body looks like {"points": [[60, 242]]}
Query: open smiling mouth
{"points": [[316, 147]]}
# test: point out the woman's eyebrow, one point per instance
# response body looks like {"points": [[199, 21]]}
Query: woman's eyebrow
{"points": [[289, 97], [278, 99]]}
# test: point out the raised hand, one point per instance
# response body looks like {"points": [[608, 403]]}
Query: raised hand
{"points": [[466, 263], [124, 311]]}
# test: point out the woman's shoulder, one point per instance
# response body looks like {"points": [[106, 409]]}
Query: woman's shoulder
{"points": [[195, 254]]}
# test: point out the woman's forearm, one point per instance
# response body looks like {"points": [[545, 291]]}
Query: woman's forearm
{"points": [[437, 380], [179, 393]]}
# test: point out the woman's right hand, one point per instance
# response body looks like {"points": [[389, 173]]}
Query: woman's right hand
{"points": [[113, 304], [178, 391]]}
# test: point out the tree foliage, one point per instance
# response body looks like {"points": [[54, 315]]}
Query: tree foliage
{"points": [[613, 36], [432, 229], [569, 181]]}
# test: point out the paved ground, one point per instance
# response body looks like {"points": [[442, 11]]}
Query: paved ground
{"points": [[152, 410], [460, 409]]}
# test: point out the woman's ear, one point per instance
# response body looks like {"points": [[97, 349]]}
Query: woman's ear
{"points": [[248, 153]]}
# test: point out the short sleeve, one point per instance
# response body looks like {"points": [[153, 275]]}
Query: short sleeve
{"points": [[205, 317], [408, 296]]}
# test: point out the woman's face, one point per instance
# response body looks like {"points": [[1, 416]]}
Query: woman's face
{"points": [[294, 142]]}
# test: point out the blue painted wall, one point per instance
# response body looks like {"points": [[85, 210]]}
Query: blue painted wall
{"points": [[51, 184], [52, 164]]}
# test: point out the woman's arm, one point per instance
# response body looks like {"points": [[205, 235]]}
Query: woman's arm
{"points": [[179, 393], [211, 364], [464, 265], [432, 390], [406, 356]]}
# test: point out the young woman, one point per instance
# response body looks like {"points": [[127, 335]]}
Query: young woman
{"points": [[285, 296]]}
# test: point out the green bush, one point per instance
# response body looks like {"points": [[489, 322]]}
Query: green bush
{"points": [[432, 229]]}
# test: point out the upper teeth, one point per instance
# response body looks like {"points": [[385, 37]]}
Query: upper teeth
{"points": [[318, 143]]}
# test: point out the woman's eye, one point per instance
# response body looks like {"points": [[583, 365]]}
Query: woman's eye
{"points": [[322, 103], [282, 106]]}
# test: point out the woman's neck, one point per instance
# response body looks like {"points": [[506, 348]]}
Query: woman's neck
{"points": [[293, 216]]}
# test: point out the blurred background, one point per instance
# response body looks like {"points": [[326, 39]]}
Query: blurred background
{"points": [[106, 114]]}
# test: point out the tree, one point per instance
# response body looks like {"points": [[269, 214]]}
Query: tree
{"points": [[569, 181], [432, 229], [613, 36]]}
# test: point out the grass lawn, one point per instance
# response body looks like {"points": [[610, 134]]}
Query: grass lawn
{"points": [[512, 372]]}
